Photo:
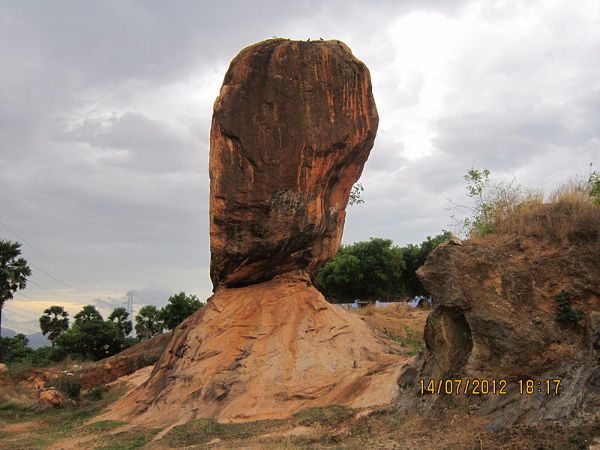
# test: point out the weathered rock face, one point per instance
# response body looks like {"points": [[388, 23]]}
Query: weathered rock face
{"points": [[496, 319], [50, 397], [292, 128], [264, 351]]}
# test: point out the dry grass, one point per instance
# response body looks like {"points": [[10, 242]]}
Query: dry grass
{"points": [[400, 323], [567, 216]]}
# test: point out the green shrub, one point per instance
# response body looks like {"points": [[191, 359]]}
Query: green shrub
{"points": [[97, 392], [564, 311], [70, 385], [594, 186]]}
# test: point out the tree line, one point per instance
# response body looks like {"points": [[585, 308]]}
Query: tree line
{"points": [[91, 337], [376, 269]]}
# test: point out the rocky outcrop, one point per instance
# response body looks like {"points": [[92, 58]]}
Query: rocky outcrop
{"points": [[265, 351], [50, 397], [292, 128], [496, 318]]}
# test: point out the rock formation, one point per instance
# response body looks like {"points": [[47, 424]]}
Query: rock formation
{"points": [[497, 319], [292, 128], [51, 397]]}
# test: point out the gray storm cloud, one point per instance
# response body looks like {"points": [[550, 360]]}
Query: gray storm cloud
{"points": [[105, 112]]}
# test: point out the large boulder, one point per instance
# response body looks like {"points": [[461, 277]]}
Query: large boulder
{"points": [[50, 397], [292, 128]]}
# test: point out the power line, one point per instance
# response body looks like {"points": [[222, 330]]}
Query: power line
{"points": [[52, 276], [9, 311], [36, 300], [46, 258], [37, 285]]}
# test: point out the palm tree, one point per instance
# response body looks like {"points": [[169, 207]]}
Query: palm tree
{"points": [[148, 322], [120, 317], [13, 272], [54, 322]]}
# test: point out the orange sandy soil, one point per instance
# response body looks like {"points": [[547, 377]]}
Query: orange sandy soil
{"points": [[24, 426]]}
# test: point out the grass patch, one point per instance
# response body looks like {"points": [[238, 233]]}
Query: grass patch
{"points": [[24, 441], [324, 415], [55, 424], [104, 425], [411, 342], [129, 440], [204, 430], [14, 413]]}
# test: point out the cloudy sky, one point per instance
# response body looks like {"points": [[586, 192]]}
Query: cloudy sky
{"points": [[105, 111]]}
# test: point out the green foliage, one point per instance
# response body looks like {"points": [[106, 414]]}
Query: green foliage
{"points": [[14, 349], [13, 272], [202, 431], [323, 415], [120, 317], [376, 269], [180, 307], [365, 270], [411, 341], [91, 337], [50, 428], [45, 356], [149, 322], [96, 393], [54, 322], [414, 257], [356, 194], [68, 384], [594, 186], [89, 313], [104, 425], [565, 313], [478, 182], [131, 439]]}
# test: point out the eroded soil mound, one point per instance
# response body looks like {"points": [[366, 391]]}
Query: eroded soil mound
{"points": [[138, 356]]}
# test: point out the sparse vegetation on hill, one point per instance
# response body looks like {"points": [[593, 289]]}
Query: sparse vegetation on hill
{"points": [[568, 215], [564, 311]]}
